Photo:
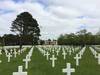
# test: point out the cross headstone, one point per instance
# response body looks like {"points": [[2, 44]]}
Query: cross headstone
{"points": [[77, 59], [47, 55], [15, 53], [68, 70], [20, 71], [28, 57], [11, 51], [9, 56], [26, 60], [53, 60], [57, 52], [64, 54]]}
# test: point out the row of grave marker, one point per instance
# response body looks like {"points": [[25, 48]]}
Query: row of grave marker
{"points": [[26, 60], [10, 53], [96, 54], [66, 70]]}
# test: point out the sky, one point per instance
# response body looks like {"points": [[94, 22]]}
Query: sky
{"points": [[55, 17]]}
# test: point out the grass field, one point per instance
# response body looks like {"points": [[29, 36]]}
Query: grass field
{"points": [[40, 66]]}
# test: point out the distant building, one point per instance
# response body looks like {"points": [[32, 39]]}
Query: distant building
{"points": [[50, 42]]}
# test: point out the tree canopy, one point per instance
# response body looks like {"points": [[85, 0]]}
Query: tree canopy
{"points": [[25, 25], [81, 37]]}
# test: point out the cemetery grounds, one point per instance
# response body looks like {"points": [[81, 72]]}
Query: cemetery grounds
{"points": [[39, 65]]}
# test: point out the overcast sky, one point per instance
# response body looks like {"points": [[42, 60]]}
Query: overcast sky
{"points": [[55, 17]]}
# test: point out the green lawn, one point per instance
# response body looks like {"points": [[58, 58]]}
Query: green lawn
{"points": [[40, 66]]}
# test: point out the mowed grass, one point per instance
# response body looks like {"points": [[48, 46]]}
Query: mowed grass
{"points": [[7, 68], [40, 66]]}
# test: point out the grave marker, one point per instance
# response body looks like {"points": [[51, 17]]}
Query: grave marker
{"points": [[26, 60], [47, 55], [15, 53], [64, 54], [20, 71], [9, 56], [68, 70], [53, 60], [77, 59]]}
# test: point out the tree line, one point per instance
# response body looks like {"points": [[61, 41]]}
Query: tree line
{"points": [[81, 37], [11, 39]]}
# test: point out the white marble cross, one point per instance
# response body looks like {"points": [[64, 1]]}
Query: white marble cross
{"points": [[53, 60], [68, 70], [15, 53], [11, 51], [57, 52], [98, 58], [77, 59], [28, 57], [20, 71], [9, 56], [64, 54], [26, 60], [47, 55]]}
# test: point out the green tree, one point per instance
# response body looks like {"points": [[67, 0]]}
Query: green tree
{"points": [[82, 37], [61, 40], [24, 25]]}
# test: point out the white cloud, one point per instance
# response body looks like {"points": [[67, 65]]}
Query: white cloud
{"points": [[63, 12], [87, 7], [59, 17]]}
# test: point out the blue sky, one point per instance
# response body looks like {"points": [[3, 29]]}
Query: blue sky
{"points": [[18, 1], [55, 17]]}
